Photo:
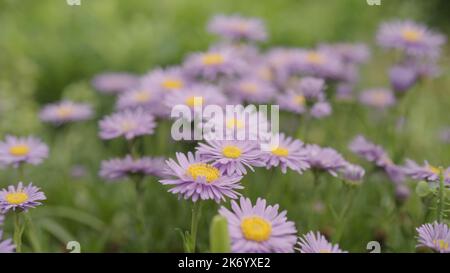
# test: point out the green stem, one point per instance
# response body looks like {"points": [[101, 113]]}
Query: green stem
{"points": [[440, 200], [18, 231], [140, 210], [196, 213], [132, 149], [21, 172], [302, 131], [349, 194], [31, 232]]}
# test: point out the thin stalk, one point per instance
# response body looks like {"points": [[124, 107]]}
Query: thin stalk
{"points": [[196, 213], [440, 200], [349, 193], [21, 172], [140, 209], [132, 149], [18, 231]]}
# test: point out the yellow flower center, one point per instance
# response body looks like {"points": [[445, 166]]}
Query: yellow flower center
{"points": [[324, 251], [193, 101], [231, 151], [19, 150], [299, 99], [441, 244], [280, 151], [265, 73], [434, 169], [411, 35], [16, 198], [64, 111], [256, 228], [213, 59], [315, 58], [203, 170], [142, 96], [380, 98], [240, 27], [234, 123], [249, 87], [128, 126], [171, 83]]}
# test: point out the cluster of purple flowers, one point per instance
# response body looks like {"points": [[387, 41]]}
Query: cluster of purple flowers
{"points": [[377, 155], [235, 71], [420, 46], [306, 96]]}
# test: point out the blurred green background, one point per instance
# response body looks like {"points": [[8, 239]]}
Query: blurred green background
{"points": [[50, 50]]}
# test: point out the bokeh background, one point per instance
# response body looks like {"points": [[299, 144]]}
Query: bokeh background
{"points": [[50, 50]]}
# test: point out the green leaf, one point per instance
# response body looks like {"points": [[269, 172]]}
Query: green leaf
{"points": [[219, 236], [56, 230], [75, 215], [423, 189]]}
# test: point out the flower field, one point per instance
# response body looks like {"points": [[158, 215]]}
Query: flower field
{"points": [[115, 133]]}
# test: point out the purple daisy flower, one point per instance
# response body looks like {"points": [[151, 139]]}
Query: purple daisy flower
{"points": [[193, 179], [231, 156], [17, 150], [65, 111], [317, 243], [244, 123], [20, 198], [281, 62], [252, 90], [376, 154], [395, 173], [288, 152], [352, 53], [413, 38], [321, 109], [292, 101], [312, 88], [196, 98], [324, 159], [352, 172], [147, 98], [248, 53], [169, 79], [119, 168], [259, 228], [435, 236], [402, 78], [214, 64], [367, 150], [129, 123], [318, 63], [235, 27], [379, 98], [426, 172], [114, 82]]}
